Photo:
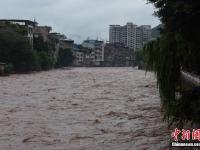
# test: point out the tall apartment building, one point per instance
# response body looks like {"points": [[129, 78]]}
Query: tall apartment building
{"points": [[130, 35], [115, 33], [143, 36]]}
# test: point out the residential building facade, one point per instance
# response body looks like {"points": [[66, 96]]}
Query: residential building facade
{"points": [[41, 34], [115, 34], [143, 36], [97, 50], [130, 35], [27, 24], [42, 31], [117, 55]]}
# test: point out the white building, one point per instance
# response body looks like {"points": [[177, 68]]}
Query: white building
{"points": [[143, 36], [130, 35], [97, 50], [123, 34]]}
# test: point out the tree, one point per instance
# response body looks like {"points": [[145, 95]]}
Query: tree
{"points": [[139, 57], [45, 61], [178, 48], [65, 58], [15, 49], [44, 52], [40, 45], [180, 19]]}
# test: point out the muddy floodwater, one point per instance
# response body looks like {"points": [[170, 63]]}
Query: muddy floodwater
{"points": [[81, 109]]}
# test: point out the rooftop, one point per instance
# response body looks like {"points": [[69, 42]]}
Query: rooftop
{"points": [[66, 40], [27, 22]]}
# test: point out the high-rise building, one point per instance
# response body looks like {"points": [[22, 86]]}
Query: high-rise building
{"points": [[125, 35], [143, 36], [130, 35], [115, 33]]}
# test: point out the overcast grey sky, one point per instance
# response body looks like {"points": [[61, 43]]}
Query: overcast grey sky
{"points": [[80, 19]]}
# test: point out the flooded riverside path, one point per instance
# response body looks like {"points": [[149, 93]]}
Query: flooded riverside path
{"points": [[81, 109]]}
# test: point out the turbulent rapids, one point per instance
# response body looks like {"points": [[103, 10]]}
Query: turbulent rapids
{"points": [[81, 109]]}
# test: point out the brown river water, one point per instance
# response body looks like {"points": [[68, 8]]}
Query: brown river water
{"points": [[82, 109]]}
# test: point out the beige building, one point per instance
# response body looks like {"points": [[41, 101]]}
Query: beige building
{"points": [[117, 55], [79, 58], [66, 43], [42, 31]]}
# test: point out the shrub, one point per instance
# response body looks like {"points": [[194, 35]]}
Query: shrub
{"points": [[65, 58], [45, 61], [9, 68], [15, 49]]}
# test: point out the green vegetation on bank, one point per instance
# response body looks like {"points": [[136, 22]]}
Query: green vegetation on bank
{"points": [[20, 57], [65, 58], [177, 49], [15, 51], [139, 59]]}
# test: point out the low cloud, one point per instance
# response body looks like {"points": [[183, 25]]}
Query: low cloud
{"points": [[80, 19]]}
